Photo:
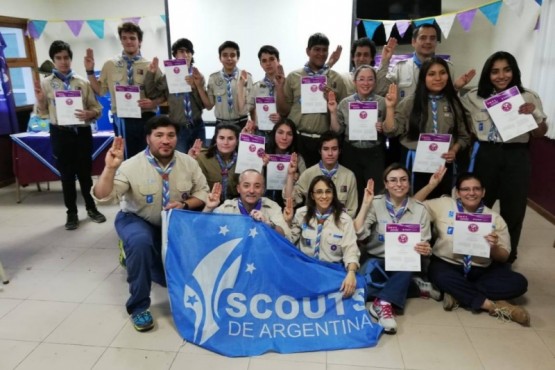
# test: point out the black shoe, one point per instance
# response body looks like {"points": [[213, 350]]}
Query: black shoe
{"points": [[72, 222], [96, 216]]}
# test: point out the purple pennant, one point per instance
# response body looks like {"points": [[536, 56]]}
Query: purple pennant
{"points": [[132, 20], [357, 22], [75, 27], [466, 19], [537, 26], [402, 27], [35, 28]]}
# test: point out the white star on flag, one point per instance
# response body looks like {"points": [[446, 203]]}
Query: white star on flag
{"points": [[223, 230], [250, 268], [252, 232]]}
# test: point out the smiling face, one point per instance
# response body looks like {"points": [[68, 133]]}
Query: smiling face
{"points": [[471, 193], [250, 187], [425, 43], [283, 138], [397, 184], [317, 56], [322, 195], [130, 42], [501, 75], [161, 142], [226, 141], [436, 79], [362, 56], [365, 81]]}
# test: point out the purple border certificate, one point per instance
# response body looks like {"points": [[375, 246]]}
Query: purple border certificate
{"points": [[362, 120], [265, 105], [469, 232], [67, 102], [429, 150], [276, 171], [127, 101], [251, 153], [312, 94], [176, 70], [400, 240]]}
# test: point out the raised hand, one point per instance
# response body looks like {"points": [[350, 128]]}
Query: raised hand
{"points": [[249, 127], [332, 102], [368, 195], [194, 151], [388, 50], [153, 66], [114, 156], [391, 96], [213, 199], [279, 78], [244, 76], [464, 79], [288, 211], [89, 60], [197, 76], [39, 94], [334, 56], [293, 164], [437, 176]]}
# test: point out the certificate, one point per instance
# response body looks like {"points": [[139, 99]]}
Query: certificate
{"points": [[400, 240], [276, 171], [503, 110], [176, 70], [363, 116], [250, 154], [265, 105], [428, 152], [127, 101], [67, 102], [312, 94], [469, 233]]}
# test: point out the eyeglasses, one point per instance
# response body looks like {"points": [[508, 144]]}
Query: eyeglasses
{"points": [[395, 180], [474, 189], [321, 192]]}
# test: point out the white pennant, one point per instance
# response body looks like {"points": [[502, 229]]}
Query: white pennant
{"points": [[445, 23], [388, 28]]}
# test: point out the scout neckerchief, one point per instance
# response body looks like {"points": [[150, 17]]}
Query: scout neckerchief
{"points": [[187, 105], [225, 167], [320, 218], [493, 134], [165, 173], [395, 216], [66, 78], [130, 60], [369, 98], [326, 172], [244, 211], [434, 99], [320, 72], [228, 79], [467, 260], [268, 82], [416, 61]]}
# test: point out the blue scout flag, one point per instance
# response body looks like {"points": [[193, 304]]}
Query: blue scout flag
{"points": [[8, 119], [238, 288]]}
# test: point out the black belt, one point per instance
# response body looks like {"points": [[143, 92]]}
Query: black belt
{"points": [[233, 121], [502, 144]]}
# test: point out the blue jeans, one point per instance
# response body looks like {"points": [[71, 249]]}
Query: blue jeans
{"points": [[142, 243], [396, 284], [187, 136]]}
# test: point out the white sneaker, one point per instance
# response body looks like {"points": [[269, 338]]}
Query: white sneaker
{"points": [[427, 290], [383, 312]]}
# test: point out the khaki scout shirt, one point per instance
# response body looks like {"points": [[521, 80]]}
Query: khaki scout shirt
{"points": [[343, 119], [211, 169], [217, 93]]}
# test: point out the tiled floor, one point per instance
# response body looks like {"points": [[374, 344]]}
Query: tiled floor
{"points": [[64, 309]]}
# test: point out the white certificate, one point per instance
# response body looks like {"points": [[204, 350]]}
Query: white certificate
{"points": [[67, 102], [363, 116], [276, 171], [265, 105], [250, 154], [400, 240], [469, 233], [428, 152], [503, 109], [312, 94], [127, 101], [176, 71]]}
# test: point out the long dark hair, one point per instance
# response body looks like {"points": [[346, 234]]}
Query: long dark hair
{"points": [[271, 146], [311, 203], [212, 149], [485, 86], [419, 114]]}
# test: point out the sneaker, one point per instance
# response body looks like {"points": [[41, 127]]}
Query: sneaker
{"points": [[96, 216], [122, 256], [143, 321], [449, 302], [427, 290], [505, 311], [383, 312], [72, 221]]}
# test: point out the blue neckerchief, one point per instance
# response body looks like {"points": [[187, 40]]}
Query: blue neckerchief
{"points": [[66, 78], [243, 210], [164, 173], [326, 172], [320, 72], [270, 85], [225, 167], [370, 97], [416, 61], [320, 218], [395, 216], [130, 61], [433, 100], [228, 79]]}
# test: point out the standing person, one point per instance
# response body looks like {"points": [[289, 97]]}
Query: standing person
{"points": [[503, 166], [366, 158], [323, 230], [342, 177], [288, 96], [159, 178], [222, 87], [184, 108], [479, 283], [434, 108], [363, 53], [127, 69], [395, 206], [72, 146]]}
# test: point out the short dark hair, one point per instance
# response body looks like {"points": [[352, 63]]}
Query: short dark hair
{"points": [[364, 42], [318, 39], [467, 176], [416, 31], [229, 44], [182, 44], [311, 203], [485, 87], [59, 46], [268, 49], [160, 121], [130, 27], [329, 136]]}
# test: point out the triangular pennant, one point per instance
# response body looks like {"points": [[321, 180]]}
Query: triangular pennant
{"points": [[164, 18], [539, 2], [516, 5], [402, 27], [75, 27], [35, 28], [357, 22], [445, 23], [370, 27], [420, 22], [388, 25], [97, 26], [491, 11], [132, 20], [466, 19]]}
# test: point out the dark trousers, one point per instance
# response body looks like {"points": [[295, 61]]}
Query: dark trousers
{"points": [[396, 284], [495, 282], [309, 147], [133, 132], [505, 172], [188, 134], [142, 243], [72, 149]]}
